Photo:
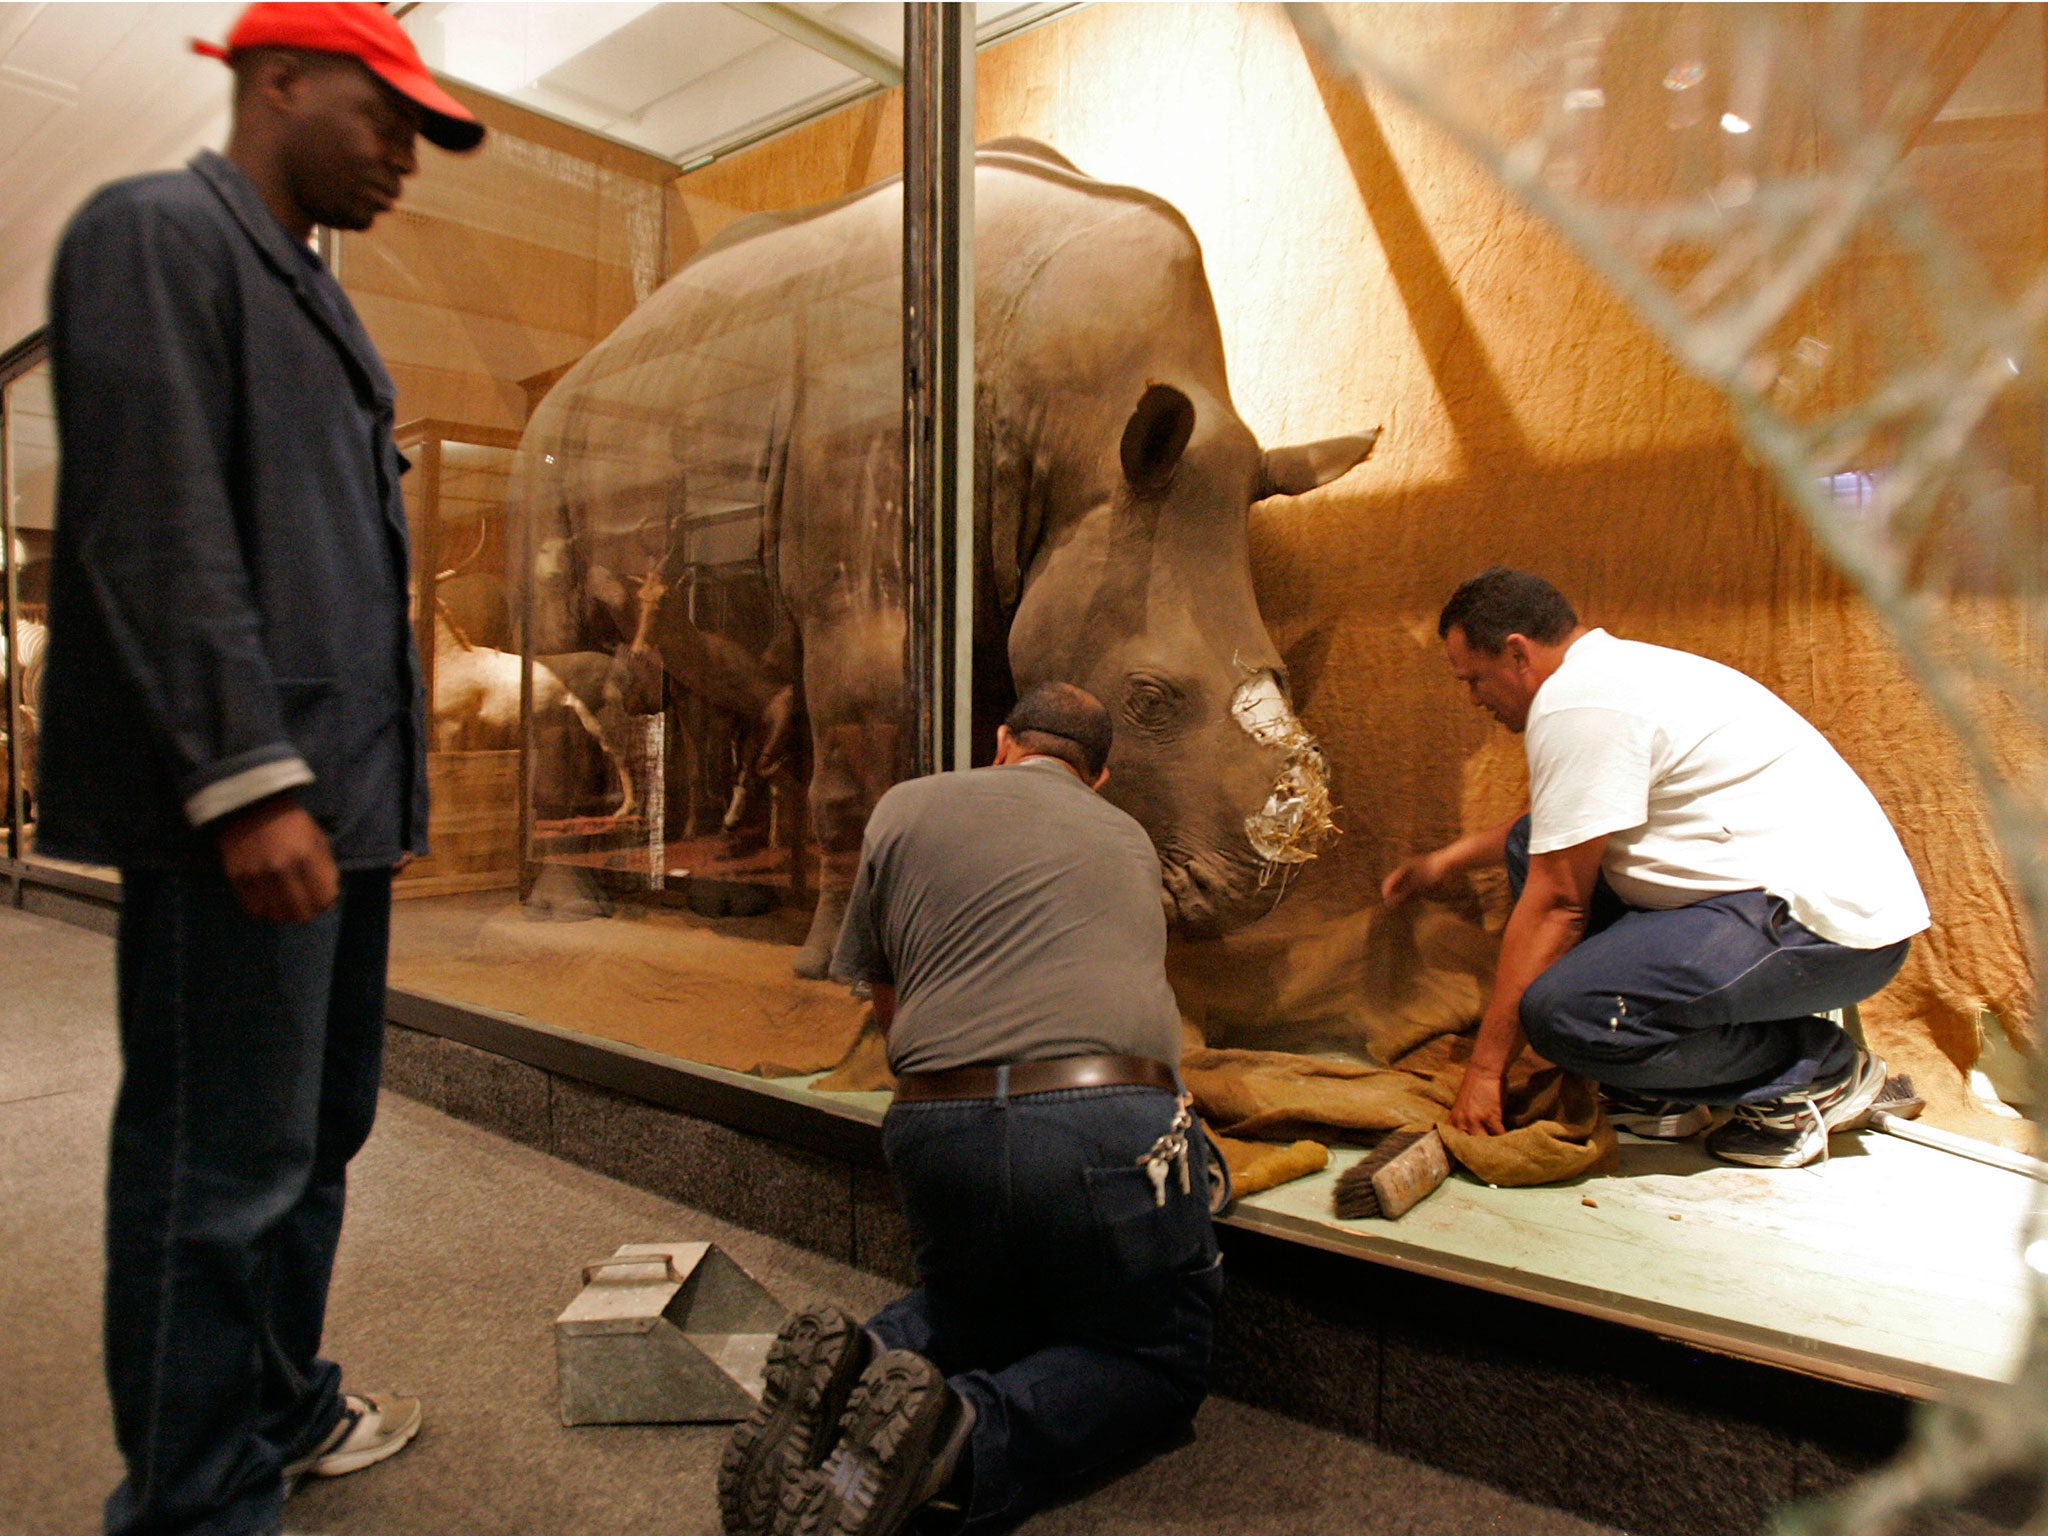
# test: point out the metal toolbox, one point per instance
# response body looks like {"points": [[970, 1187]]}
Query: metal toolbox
{"points": [[664, 1333]]}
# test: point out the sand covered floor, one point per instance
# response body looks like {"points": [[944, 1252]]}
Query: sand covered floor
{"points": [[717, 991]]}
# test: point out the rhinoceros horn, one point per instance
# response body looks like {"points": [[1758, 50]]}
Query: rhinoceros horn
{"points": [[1303, 467]]}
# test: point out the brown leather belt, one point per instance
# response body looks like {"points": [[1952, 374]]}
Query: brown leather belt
{"points": [[1038, 1077]]}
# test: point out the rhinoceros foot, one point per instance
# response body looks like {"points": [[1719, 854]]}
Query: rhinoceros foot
{"points": [[814, 960]]}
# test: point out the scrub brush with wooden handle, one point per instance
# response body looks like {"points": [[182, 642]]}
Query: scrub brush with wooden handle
{"points": [[1393, 1177]]}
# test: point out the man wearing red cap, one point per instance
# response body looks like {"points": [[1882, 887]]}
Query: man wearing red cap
{"points": [[235, 720]]}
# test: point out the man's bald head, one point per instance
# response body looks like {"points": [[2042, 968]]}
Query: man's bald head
{"points": [[1062, 721]]}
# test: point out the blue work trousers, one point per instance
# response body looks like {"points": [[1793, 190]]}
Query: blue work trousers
{"points": [[1062, 1299], [1715, 1003], [250, 1060]]}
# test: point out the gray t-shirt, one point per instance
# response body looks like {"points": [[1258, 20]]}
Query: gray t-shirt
{"points": [[1018, 915]]}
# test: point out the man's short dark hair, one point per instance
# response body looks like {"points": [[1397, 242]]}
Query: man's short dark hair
{"points": [[1062, 721], [1499, 602]]}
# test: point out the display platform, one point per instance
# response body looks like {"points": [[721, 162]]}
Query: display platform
{"points": [[1891, 1265]]}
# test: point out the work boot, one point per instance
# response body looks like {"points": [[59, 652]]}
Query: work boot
{"points": [[1792, 1131], [813, 1366], [371, 1427], [1642, 1114], [900, 1445]]}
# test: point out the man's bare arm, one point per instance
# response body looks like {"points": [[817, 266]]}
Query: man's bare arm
{"points": [[883, 995], [1547, 921], [1426, 871]]}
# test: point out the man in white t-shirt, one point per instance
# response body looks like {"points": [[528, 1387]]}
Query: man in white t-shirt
{"points": [[1699, 878]]}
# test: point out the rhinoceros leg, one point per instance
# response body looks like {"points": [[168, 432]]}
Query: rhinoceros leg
{"points": [[814, 960], [855, 762]]}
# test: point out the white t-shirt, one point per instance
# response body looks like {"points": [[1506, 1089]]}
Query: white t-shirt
{"points": [[1703, 781]]}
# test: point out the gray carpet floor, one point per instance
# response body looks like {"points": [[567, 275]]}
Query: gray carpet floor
{"points": [[459, 1251]]}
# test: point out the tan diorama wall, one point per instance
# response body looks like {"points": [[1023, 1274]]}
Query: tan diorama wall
{"points": [[502, 267], [1368, 273]]}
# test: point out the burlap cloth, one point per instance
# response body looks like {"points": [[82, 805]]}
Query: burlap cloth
{"points": [[1556, 1128], [1380, 1006], [1272, 1112]]}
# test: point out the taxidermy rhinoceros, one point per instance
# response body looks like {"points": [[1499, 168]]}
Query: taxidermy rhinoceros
{"points": [[758, 391]]}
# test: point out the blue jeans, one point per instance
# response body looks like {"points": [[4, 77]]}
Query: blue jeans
{"points": [[1072, 1311], [251, 1053], [1714, 1003]]}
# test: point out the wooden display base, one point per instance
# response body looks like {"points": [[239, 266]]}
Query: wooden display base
{"points": [[475, 798]]}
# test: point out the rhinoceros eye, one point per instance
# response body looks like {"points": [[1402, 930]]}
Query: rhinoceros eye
{"points": [[1154, 705]]}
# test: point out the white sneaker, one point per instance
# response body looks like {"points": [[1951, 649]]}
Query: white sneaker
{"points": [[370, 1428], [1793, 1131], [1642, 1114]]}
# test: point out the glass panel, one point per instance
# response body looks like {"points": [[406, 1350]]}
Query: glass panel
{"points": [[1356, 268], [682, 503], [1833, 217]]}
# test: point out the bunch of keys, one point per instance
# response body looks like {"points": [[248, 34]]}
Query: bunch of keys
{"points": [[1170, 1149]]}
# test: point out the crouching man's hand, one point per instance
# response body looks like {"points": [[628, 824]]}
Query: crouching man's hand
{"points": [[1424, 872], [1477, 1111], [277, 859]]}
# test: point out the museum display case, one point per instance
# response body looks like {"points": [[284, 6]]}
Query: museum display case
{"points": [[648, 358], [1301, 256], [636, 807], [650, 378]]}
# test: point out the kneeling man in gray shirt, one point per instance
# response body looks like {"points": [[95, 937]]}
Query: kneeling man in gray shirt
{"points": [[1010, 925]]}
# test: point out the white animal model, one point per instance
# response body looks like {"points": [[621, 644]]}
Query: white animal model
{"points": [[34, 640], [31, 641], [476, 694], [476, 702]]}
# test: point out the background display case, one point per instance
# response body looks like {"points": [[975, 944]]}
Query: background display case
{"points": [[30, 461], [455, 506], [623, 841]]}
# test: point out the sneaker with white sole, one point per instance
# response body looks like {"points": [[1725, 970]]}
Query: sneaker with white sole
{"points": [[371, 1427], [1641, 1114], [1793, 1131]]}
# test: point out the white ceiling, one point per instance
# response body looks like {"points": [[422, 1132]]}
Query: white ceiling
{"points": [[683, 81], [91, 92], [88, 93]]}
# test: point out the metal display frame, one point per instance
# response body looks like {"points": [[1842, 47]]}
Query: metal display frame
{"points": [[938, 377]]}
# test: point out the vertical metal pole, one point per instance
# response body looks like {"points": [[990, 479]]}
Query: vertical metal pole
{"points": [[12, 648], [522, 641], [426, 566], [938, 364]]}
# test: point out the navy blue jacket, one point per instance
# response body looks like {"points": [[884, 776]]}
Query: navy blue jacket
{"points": [[228, 589]]}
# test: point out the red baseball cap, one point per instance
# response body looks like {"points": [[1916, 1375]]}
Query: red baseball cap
{"points": [[365, 32]]}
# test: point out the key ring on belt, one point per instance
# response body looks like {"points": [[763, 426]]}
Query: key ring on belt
{"points": [[1170, 1150]]}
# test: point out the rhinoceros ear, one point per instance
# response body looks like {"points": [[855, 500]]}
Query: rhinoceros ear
{"points": [[1290, 471], [1156, 436]]}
